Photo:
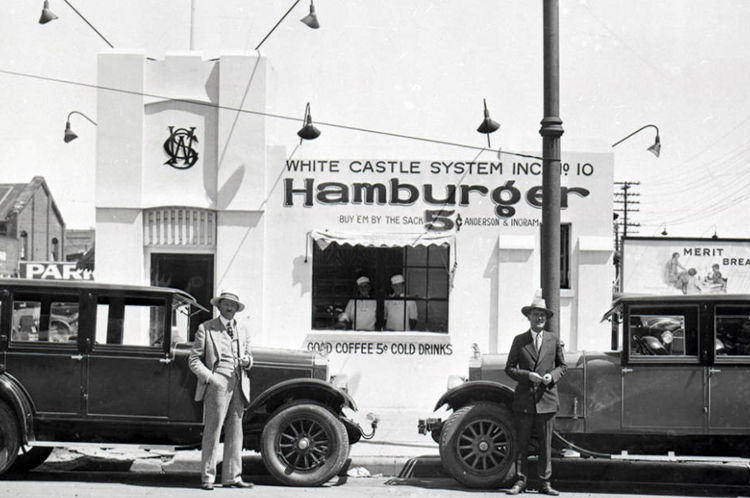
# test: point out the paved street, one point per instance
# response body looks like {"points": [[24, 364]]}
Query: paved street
{"points": [[63, 484]]}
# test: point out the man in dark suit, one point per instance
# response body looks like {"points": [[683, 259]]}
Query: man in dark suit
{"points": [[220, 358], [537, 363]]}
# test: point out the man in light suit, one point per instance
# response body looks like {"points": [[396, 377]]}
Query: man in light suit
{"points": [[536, 361], [220, 358]]}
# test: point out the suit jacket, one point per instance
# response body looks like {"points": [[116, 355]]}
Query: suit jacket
{"points": [[204, 357], [524, 359]]}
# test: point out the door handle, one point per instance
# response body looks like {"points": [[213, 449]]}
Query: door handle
{"points": [[712, 371], [165, 360], [78, 357], [626, 370]]}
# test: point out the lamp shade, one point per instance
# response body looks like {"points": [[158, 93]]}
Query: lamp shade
{"points": [[488, 125], [656, 148], [311, 20], [69, 134], [308, 131], [47, 15]]}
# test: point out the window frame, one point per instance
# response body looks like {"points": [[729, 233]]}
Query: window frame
{"points": [[662, 309], [125, 349], [380, 263], [45, 300], [728, 359]]}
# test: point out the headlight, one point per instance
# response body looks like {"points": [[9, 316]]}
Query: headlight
{"points": [[455, 381], [667, 337], [340, 381]]}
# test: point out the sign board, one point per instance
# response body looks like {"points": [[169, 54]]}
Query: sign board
{"points": [[685, 265], [53, 270]]}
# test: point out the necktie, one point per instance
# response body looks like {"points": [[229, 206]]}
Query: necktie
{"points": [[538, 341], [230, 331]]}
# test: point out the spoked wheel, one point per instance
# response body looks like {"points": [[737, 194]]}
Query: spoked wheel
{"points": [[477, 445], [10, 437], [304, 445]]}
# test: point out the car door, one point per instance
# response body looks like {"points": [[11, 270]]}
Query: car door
{"points": [[663, 380], [43, 352], [729, 376], [127, 364]]}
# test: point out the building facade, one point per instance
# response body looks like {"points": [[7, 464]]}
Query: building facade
{"points": [[191, 195], [31, 226]]}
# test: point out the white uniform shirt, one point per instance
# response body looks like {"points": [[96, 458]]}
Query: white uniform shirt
{"points": [[395, 318], [362, 313]]}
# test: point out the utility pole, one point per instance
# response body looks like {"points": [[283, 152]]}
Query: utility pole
{"points": [[626, 199], [551, 132]]}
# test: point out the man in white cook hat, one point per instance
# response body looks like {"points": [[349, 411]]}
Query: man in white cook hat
{"points": [[221, 358], [361, 313], [400, 313]]}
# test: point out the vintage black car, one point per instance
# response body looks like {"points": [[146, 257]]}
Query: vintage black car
{"points": [[98, 363], [677, 379]]}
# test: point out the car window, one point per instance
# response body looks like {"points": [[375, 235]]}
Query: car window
{"points": [[129, 321], [732, 332], [663, 332], [44, 320]]}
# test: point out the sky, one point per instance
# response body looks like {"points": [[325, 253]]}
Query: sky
{"points": [[422, 69]]}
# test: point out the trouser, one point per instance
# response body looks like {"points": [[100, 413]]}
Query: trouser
{"points": [[223, 406], [544, 423]]}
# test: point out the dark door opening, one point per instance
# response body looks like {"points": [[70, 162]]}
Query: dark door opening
{"points": [[192, 273]]}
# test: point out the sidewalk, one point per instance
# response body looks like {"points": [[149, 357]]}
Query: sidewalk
{"points": [[396, 442]]}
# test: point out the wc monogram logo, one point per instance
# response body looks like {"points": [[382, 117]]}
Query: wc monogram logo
{"points": [[179, 148]]}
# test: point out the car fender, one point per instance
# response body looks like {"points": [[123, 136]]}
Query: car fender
{"points": [[13, 394], [476, 390], [292, 389]]}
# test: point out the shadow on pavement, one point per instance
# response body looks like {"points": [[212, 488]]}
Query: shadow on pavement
{"points": [[588, 475]]}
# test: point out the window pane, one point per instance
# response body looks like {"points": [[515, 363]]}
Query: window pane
{"points": [[437, 316], [439, 256], [416, 283], [26, 315], [665, 332], [63, 326], [416, 256], [44, 321], [130, 322], [438, 284], [732, 331]]}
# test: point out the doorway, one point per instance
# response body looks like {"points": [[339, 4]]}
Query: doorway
{"points": [[192, 273]]}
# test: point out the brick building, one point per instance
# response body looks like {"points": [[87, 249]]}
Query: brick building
{"points": [[31, 226]]}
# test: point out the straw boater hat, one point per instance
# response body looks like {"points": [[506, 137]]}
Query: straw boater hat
{"points": [[229, 295], [363, 280], [539, 304], [397, 279]]}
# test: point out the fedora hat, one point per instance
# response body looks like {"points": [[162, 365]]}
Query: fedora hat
{"points": [[229, 295], [397, 279], [537, 304]]}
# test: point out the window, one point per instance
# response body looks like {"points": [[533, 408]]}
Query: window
{"points": [[564, 255], [732, 332], [24, 249], [55, 256], [422, 303], [130, 321], [663, 331], [45, 319]]}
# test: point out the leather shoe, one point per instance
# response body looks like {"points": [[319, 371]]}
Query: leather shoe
{"points": [[518, 487], [238, 484], [207, 486], [546, 489]]}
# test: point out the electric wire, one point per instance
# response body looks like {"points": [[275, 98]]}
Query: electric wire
{"points": [[270, 115]]}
